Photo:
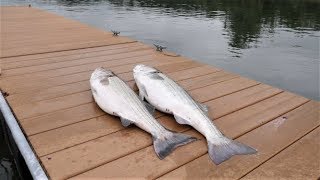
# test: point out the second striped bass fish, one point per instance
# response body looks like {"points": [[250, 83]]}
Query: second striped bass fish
{"points": [[167, 96], [116, 98]]}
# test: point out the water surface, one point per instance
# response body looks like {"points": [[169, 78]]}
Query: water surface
{"points": [[271, 41]]}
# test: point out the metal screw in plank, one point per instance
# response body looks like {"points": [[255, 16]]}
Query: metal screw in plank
{"points": [[159, 47], [115, 33]]}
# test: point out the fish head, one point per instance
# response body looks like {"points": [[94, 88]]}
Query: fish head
{"points": [[101, 72], [143, 69]]}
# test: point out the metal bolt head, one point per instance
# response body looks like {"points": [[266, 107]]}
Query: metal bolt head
{"points": [[115, 33], [159, 47]]}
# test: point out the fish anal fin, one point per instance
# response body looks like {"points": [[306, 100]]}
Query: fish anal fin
{"points": [[149, 107], [180, 120], [142, 92], [125, 122]]}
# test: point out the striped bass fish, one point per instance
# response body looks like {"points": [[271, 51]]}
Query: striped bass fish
{"points": [[167, 96], [116, 98]]}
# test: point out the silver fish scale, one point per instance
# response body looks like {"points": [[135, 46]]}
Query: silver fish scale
{"points": [[180, 93], [140, 111]]}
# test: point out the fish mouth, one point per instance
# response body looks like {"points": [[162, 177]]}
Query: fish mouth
{"points": [[141, 68], [102, 72]]}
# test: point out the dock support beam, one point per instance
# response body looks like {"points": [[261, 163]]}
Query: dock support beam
{"points": [[21, 141]]}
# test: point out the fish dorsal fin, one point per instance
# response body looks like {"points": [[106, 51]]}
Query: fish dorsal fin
{"points": [[180, 120], [142, 92], [149, 107], [125, 122], [204, 108]]}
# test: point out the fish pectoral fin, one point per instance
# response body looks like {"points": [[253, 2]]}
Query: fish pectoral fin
{"points": [[204, 108], [149, 107], [142, 92], [125, 122], [180, 120]]}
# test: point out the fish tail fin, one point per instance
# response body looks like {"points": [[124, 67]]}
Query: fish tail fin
{"points": [[164, 146], [226, 148]]}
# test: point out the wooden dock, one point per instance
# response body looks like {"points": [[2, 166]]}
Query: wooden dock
{"points": [[46, 62]]}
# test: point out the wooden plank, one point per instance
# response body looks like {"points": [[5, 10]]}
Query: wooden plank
{"points": [[117, 49], [50, 95], [61, 54], [60, 118], [142, 163], [55, 45], [119, 149], [269, 139], [203, 81], [45, 106], [35, 125], [55, 158], [191, 73], [272, 108], [90, 61], [50, 37], [225, 105], [53, 37], [298, 161], [57, 85], [22, 27], [66, 89], [260, 113], [150, 55], [61, 46], [75, 63], [45, 147], [57, 38], [46, 79], [118, 69], [44, 75], [230, 85]]}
